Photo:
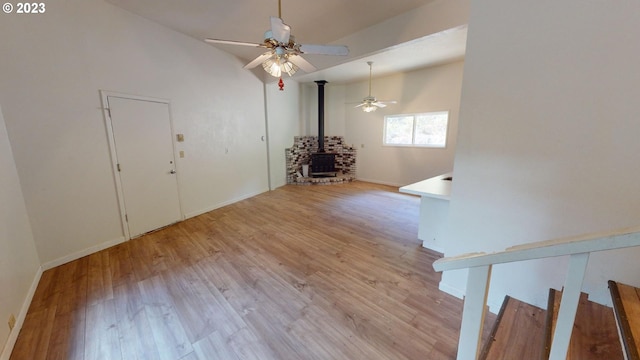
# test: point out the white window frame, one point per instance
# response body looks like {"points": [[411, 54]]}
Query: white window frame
{"points": [[413, 131]]}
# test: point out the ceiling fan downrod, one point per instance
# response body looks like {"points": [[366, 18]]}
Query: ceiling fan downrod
{"points": [[370, 70]]}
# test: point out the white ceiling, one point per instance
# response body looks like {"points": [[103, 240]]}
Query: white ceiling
{"points": [[430, 50], [312, 22]]}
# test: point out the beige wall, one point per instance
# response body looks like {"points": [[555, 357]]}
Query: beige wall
{"points": [[435, 88], [53, 68], [283, 123], [548, 141], [19, 263]]}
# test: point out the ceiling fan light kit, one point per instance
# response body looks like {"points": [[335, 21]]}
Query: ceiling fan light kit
{"points": [[369, 108], [284, 53], [277, 64]]}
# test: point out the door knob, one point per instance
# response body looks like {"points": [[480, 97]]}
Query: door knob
{"points": [[172, 171]]}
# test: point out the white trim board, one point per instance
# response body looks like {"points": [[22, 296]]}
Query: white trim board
{"points": [[223, 204], [13, 335], [82, 253]]}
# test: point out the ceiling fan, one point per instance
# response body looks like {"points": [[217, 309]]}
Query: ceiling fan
{"points": [[284, 52], [370, 103]]}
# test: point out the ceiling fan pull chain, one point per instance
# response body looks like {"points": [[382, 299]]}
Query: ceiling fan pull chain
{"points": [[281, 84]]}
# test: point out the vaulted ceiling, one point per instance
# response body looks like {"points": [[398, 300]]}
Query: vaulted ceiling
{"points": [[312, 22]]}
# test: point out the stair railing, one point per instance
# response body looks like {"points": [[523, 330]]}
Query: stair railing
{"points": [[578, 248]]}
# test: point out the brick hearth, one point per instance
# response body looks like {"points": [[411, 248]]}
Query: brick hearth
{"points": [[300, 154]]}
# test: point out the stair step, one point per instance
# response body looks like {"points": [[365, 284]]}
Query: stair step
{"points": [[517, 332], [626, 305], [594, 334]]}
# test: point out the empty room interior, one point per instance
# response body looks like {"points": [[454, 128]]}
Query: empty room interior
{"points": [[319, 179]]}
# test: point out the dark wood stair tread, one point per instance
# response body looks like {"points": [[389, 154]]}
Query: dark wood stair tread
{"points": [[594, 334], [517, 332], [626, 304]]}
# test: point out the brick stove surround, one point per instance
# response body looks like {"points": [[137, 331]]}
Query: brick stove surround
{"points": [[300, 154]]}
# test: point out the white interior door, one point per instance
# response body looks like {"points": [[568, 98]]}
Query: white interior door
{"points": [[143, 143]]}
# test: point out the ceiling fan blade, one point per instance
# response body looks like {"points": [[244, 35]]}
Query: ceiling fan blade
{"points": [[232, 42], [357, 106], [303, 64], [259, 60], [280, 30], [379, 104], [386, 102], [324, 49]]}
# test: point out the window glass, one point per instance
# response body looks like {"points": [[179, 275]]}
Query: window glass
{"points": [[431, 129], [425, 130], [398, 130]]}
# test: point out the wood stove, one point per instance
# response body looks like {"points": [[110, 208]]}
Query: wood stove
{"points": [[323, 165]]}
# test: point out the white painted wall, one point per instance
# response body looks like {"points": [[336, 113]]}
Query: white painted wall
{"points": [[431, 89], [435, 88], [431, 18], [53, 67], [19, 263], [548, 142], [283, 123], [334, 107]]}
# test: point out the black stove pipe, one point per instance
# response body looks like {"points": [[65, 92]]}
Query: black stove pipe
{"points": [[321, 114]]}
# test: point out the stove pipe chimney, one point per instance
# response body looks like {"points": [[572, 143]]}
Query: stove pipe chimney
{"points": [[321, 114]]}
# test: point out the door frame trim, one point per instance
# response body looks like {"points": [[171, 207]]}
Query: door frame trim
{"points": [[104, 95]]}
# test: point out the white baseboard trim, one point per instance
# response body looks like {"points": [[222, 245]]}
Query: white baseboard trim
{"points": [[378, 182], [82, 253], [459, 293], [13, 335], [433, 245], [493, 307], [224, 203]]}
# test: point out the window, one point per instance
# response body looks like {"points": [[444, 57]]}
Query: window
{"points": [[425, 130]]}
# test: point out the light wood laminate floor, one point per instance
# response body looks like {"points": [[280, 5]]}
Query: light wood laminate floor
{"points": [[302, 272]]}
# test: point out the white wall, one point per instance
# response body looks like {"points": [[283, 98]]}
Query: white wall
{"points": [[19, 263], [53, 67], [431, 18], [548, 142], [435, 88], [334, 105], [284, 122]]}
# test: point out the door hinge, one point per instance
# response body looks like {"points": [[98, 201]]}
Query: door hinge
{"points": [[108, 111], [118, 165], [126, 217]]}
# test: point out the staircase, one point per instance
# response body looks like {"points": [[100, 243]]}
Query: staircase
{"points": [[517, 332], [626, 306], [523, 331], [572, 331]]}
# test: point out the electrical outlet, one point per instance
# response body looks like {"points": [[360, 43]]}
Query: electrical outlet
{"points": [[12, 322]]}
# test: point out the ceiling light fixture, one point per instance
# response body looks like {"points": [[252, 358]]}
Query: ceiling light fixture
{"points": [[277, 64], [284, 53], [369, 108], [370, 103]]}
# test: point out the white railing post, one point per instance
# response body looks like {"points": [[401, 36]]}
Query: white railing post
{"points": [[473, 312], [568, 306], [479, 265]]}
